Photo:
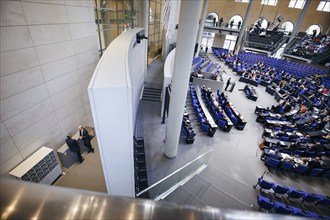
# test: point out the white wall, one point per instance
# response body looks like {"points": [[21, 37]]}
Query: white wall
{"points": [[48, 53], [114, 92], [168, 74]]}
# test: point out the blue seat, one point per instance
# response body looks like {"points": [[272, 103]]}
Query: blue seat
{"points": [[316, 171], [234, 119], [299, 152], [300, 169], [294, 193], [279, 189], [264, 184], [325, 201], [271, 162], [284, 138], [205, 127], [221, 123], [310, 197], [310, 154], [286, 165], [297, 211], [310, 214], [282, 208], [326, 173], [264, 203]]}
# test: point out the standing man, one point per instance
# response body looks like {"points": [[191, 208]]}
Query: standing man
{"points": [[239, 25], [74, 146], [227, 84], [83, 134]]}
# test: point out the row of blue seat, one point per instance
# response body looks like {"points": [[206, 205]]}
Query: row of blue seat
{"points": [[187, 129], [200, 114], [208, 68], [274, 163], [232, 115], [196, 59], [199, 64], [278, 189], [267, 204], [221, 120]]}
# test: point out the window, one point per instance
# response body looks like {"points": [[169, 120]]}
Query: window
{"points": [[207, 40], [236, 19], [113, 18], [316, 27], [155, 34], [297, 4], [230, 42], [287, 27], [269, 2], [244, 1], [324, 6], [210, 19]]}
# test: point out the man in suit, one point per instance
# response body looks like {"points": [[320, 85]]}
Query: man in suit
{"points": [[227, 84], [83, 134], [74, 146]]}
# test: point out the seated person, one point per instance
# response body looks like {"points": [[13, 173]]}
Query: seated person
{"points": [[327, 136], [317, 147], [287, 158], [275, 154], [314, 163]]}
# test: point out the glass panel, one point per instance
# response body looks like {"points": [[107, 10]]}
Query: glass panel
{"points": [[152, 9], [155, 191], [327, 7], [231, 37], [300, 4], [232, 45], [292, 3], [226, 44], [320, 6]]}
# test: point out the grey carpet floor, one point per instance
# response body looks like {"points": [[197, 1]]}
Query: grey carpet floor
{"points": [[234, 165]]}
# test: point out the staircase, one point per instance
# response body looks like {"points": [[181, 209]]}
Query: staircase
{"points": [[151, 94]]}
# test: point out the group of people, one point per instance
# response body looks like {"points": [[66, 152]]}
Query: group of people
{"points": [[311, 45], [74, 146], [303, 107], [311, 162]]}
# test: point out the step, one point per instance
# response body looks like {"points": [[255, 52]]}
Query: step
{"points": [[152, 89], [152, 93], [149, 99]]}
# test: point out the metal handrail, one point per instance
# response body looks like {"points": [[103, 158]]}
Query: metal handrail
{"points": [[23, 200]]}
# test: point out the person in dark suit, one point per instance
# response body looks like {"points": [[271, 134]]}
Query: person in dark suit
{"points": [[83, 134], [314, 163], [228, 83], [74, 146]]}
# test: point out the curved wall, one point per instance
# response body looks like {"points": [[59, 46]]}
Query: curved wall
{"points": [[168, 73], [114, 93]]}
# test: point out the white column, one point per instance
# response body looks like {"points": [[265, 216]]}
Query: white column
{"points": [[238, 44], [201, 27], [300, 19], [186, 39]]}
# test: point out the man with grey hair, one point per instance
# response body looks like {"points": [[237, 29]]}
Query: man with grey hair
{"points": [[83, 134]]}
